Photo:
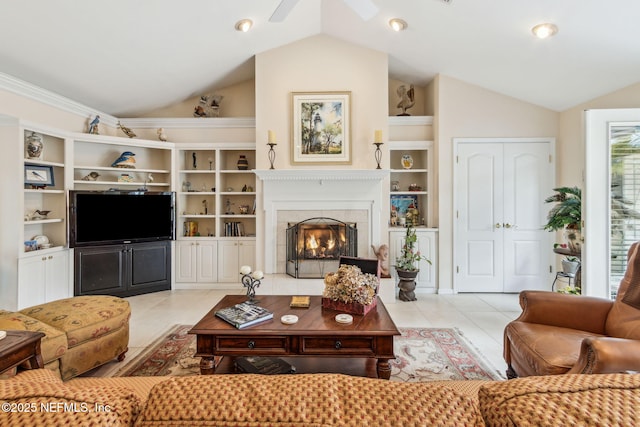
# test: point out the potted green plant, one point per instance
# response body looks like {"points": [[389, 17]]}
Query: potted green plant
{"points": [[566, 215], [407, 266]]}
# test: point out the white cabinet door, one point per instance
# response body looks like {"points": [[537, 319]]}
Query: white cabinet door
{"points": [[57, 284], [206, 261], [43, 278], [228, 262], [31, 283], [231, 255], [427, 243], [500, 245], [197, 261], [186, 259]]}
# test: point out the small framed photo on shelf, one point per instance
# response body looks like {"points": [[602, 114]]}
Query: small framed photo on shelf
{"points": [[38, 176]]}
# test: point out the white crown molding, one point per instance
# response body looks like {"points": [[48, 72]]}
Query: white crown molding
{"points": [[28, 90], [189, 122], [410, 120], [322, 175]]}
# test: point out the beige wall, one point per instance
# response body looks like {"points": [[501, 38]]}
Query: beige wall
{"points": [[239, 101], [571, 152], [316, 64], [465, 110]]}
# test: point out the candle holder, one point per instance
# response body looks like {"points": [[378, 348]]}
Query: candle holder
{"points": [[272, 153], [378, 153], [251, 281]]}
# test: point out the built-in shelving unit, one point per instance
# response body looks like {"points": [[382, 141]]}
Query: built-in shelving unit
{"points": [[216, 221], [96, 153], [411, 183]]}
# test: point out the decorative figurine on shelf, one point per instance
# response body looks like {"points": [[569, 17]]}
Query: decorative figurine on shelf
{"points": [[251, 281], [125, 160], [243, 163], [93, 126], [209, 106], [383, 255], [204, 205], [92, 176], [161, 135], [407, 99], [38, 214], [195, 160], [127, 131]]}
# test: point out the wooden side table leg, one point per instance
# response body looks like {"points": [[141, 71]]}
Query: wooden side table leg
{"points": [[207, 365], [384, 369]]}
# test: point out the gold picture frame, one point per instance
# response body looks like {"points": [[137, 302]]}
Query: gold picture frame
{"points": [[321, 131]]}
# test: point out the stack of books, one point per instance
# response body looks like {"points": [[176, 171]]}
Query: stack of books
{"points": [[244, 314]]}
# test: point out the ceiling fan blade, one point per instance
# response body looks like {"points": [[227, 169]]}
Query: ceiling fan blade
{"points": [[282, 11], [366, 9]]}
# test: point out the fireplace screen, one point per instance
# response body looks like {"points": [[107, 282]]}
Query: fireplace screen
{"points": [[315, 245]]}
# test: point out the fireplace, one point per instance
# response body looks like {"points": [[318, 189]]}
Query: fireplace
{"points": [[315, 245]]}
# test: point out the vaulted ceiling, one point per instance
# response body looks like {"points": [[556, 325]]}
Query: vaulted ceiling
{"points": [[127, 57]]}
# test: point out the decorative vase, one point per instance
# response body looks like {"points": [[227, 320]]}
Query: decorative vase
{"points": [[34, 146], [243, 163], [573, 237], [407, 161], [407, 284]]}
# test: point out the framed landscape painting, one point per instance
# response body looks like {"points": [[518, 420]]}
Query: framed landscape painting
{"points": [[321, 128]]}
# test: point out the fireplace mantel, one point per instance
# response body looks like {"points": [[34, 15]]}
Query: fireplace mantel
{"points": [[321, 190], [322, 174]]}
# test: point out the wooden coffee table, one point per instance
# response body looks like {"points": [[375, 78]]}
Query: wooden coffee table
{"points": [[316, 335], [18, 347]]}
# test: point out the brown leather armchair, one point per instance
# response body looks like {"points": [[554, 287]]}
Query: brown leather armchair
{"points": [[568, 334]]}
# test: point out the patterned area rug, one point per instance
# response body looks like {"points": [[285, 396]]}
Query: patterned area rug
{"points": [[429, 354]]}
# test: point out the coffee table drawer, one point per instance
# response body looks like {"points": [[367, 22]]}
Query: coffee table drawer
{"points": [[275, 344], [338, 345]]}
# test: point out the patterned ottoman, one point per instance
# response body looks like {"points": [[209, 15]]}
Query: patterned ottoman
{"points": [[82, 332]]}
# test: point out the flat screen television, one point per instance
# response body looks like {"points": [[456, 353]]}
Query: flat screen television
{"points": [[116, 217]]}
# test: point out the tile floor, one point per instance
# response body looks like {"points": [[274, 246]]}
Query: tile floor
{"points": [[480, 317]]}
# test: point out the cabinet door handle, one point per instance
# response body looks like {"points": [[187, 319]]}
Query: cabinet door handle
{"points": [[338, 345], [252, 344], [44, 258], [50, 256], [498, 225]]}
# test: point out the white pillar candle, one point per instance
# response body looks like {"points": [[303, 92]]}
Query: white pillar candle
{"points": [[258, 275], [245, 269], [378, 136], [272, 137]]}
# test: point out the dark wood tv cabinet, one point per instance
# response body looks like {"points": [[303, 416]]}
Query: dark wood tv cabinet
{"points": [[122, 270]]}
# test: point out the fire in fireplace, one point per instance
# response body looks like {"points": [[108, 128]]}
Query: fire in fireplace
{"points": [[314, 242]]}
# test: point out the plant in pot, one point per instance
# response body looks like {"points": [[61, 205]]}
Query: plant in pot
{"points": [[407, 266], [566, 215]]}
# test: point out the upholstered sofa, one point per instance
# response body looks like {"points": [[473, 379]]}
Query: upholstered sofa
{"points": [[81, 333], [39, 397]]}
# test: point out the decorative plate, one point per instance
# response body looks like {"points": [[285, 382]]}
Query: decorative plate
{"points": [[407, 161], [41, 240]]}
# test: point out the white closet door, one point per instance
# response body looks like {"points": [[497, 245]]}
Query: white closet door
{"points": [[527, 247], [479, 248], [500, 245]]}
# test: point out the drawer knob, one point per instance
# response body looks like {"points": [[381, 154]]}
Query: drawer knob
{"points": [[252, 344], [338, 345]]}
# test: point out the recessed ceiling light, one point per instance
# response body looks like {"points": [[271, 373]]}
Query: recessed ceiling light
{"points": [[397, 24], [542, 31], [244, 25]]}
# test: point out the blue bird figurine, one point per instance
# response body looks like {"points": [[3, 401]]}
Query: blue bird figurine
{"points": [[125, 160], [93, 126]]}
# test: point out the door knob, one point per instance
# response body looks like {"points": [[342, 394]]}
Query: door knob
{"points": [[498, 225], [507, 225]]}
